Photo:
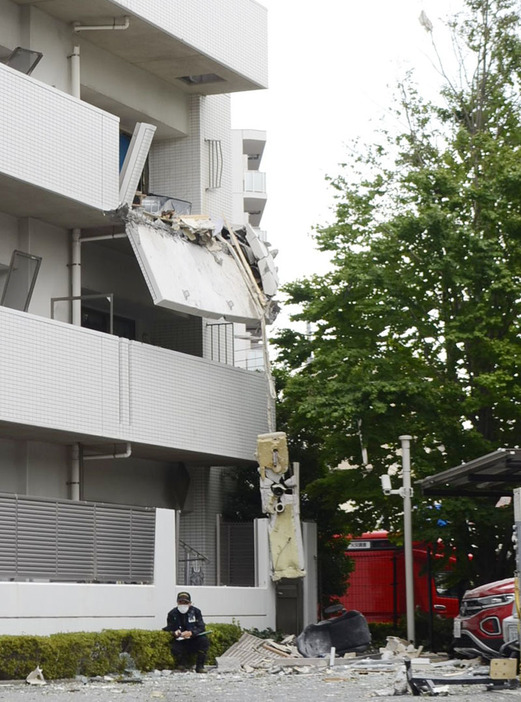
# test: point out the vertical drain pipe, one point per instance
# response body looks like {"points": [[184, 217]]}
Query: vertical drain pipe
{"points": [[74, 475], [74, 482], [75, 72], [76, 233], [76, 277]]}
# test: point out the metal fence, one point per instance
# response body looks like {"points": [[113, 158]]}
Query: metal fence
{"points": [[65, 541], [237, 554], [220, 342]]}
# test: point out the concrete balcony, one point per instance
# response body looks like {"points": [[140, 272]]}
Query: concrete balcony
{"points": [[68, 384], [203, 48], [59, 156], [254, 196]]}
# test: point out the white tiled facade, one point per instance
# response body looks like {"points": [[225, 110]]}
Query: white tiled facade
{"points": [[149, 401], [232, 32], [35, 133]]}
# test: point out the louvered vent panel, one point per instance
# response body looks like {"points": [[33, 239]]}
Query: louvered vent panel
{"points": [[112, 544], [8, 550], [37, 547], [143, 542], [75, 541]]}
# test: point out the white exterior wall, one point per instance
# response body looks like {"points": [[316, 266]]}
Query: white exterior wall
{"points": [[176, 166], [39, 146], [47, 608], [62, 384], [239, 165], [75, 379], [216, 124], [180, 167], [220, 29], [131, 92]]}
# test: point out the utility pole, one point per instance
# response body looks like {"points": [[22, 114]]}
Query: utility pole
{"points": [[405, 493], [407, 534]]}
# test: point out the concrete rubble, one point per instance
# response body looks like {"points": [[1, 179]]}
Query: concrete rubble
{"points": [[252, 654], [257, 669]]}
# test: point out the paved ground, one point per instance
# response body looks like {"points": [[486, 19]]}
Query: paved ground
{"points": [[311, 685]]}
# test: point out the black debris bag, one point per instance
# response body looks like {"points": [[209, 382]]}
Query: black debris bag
{"points": [[348, 632]]}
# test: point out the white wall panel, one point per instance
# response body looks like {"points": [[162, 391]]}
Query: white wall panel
{"points": [[57, 142], [197, 404], [47, 608], [62, 377], [233, 32]]}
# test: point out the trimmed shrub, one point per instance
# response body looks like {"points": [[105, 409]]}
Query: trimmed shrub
{"points": [[99, 653]]}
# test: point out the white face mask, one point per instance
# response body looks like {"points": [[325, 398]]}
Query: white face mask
{"points": [[183, 608]]}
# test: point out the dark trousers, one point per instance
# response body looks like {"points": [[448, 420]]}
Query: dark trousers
{"points": [[183, 650]]}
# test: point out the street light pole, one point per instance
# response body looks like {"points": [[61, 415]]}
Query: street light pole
{"points": [[407, 535]]}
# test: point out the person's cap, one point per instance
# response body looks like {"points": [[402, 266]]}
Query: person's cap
{"points": [[184, 597]]}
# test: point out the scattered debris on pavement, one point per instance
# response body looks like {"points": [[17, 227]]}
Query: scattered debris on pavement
{"points": [[35, 677]]}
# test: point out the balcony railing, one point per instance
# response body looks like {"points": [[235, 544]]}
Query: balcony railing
{"points": [[56, 166], [71, 379], [254, 182]]}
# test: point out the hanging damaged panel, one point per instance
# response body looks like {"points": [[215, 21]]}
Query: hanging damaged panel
{"points": [[134, 162], [187, 270], [280, 501]]}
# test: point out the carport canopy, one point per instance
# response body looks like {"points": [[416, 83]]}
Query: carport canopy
{"points": [[495, 474]]}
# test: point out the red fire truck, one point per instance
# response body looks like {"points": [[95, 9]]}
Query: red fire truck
{"points": [[377, 583]]}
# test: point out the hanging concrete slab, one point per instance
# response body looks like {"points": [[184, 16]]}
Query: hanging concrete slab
{"points": [[190, 271]]}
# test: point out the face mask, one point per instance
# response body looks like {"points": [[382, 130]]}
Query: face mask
{"points": [[183, 608]]}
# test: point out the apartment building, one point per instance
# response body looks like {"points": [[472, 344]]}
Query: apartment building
{"points": [[126, 289]]}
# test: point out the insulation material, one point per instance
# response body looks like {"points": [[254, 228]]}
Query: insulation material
{"points": [[280, 501], [272, 452], [189, 271], [287, 553]]}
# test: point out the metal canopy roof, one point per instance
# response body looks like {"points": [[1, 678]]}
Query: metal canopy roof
{"points": [[495, 474]]}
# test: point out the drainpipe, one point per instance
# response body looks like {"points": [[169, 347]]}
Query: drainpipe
{"points": [[76, 276], [74, 482], [75, 72], [124, 454], [86, 27], [74, 477], [76, 233]]}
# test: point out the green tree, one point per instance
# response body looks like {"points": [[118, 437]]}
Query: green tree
{"points": [[415, 330]]}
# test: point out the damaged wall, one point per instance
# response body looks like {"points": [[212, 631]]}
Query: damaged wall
{"points": [[207, 279], [179, 167]]}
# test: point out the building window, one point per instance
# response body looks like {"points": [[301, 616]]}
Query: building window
{"points": [[20, 282], [100, 321]]}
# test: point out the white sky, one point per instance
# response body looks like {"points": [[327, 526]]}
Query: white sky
{"points": [[333, 66]]}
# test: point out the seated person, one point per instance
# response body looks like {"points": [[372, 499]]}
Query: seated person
{"points": [[185, 623]]}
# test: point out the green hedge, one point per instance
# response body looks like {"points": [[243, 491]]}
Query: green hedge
{"points": [[99, 653]]}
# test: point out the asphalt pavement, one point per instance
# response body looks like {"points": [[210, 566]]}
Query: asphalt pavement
{"points": [[305, 684]]}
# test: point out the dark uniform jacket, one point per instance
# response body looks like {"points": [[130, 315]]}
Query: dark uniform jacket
{"points": [[191, 621]]}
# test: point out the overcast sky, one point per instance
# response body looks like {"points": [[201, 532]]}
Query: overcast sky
{"points": [[333, 67]]}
